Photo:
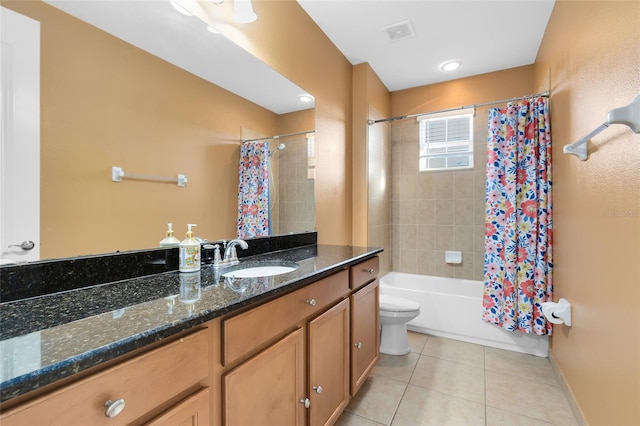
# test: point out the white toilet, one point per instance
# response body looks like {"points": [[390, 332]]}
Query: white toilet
{"points": [[395, 313]]}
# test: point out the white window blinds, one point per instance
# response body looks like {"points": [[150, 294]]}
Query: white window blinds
{"points": [[446, 140]]}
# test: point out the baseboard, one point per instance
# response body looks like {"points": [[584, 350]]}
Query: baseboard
{"points": [[575, 408]]}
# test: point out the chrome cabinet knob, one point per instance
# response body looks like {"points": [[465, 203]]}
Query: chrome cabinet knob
{"points": [[306, 402], [371, 271], [358, 345], [25, 245], [318, 389], [114, 407], [311, 302]]}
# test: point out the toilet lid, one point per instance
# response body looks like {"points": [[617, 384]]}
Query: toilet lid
{"points": [[396, 304]]}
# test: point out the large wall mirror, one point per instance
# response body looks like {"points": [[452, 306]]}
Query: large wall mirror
{"points": [[140, 86]]}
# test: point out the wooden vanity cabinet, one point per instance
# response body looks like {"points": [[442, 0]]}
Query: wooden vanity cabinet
{"points": [[329, 365], [365, 321], [294, 360], [365, 335], [298, 359], [302, 377], [267, 388], [168, 383]]}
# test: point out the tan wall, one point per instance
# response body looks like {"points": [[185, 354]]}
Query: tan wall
{"points": [[432, 212], [371, 164], [591, 50], [106, 103]]}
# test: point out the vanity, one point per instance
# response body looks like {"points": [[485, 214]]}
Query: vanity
{"points": [[171, 348]]}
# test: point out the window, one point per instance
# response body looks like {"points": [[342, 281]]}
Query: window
{"points": [[446, 140]]}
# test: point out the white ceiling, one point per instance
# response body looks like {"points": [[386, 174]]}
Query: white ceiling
{"points": [[486, 35], [156, 27]]}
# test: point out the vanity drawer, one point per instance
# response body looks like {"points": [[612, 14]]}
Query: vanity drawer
{"points": [[364, 272], [144, 383], [247, 331]]}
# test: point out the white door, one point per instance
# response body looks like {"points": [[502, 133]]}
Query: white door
{"points": [[19, 137]]}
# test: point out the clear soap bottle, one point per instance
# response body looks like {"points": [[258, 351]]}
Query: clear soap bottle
{"points": [[189, 252], [170, 240]]}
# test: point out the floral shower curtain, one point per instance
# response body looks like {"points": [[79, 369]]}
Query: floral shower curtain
{"points": [[253, 190], [518, 227]]}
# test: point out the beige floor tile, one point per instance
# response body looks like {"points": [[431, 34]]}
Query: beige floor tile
{"points": [[350, 419], [398, 367], [528, 397], [416, 341], [452, 378], [497, 417], [513, 363], [424, 407], [378, 399], [455, 350]]}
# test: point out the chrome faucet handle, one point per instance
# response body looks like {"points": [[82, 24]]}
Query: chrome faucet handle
{"points": [[230, 254], [216, 255]]}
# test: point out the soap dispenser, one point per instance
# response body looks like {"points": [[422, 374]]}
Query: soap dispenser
{"points": [[189, 252], [169, 240]]}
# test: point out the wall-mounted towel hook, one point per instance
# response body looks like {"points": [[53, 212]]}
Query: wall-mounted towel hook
{"points": [[117, 174], [628, 115]]}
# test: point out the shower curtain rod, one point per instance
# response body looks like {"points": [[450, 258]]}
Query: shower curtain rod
{"points": [[278, 136], [402, 117]]}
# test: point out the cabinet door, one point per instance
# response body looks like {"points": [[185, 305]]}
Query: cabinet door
{"points": [[365, 334], [193, 411], [267, 389], [329, 364]]}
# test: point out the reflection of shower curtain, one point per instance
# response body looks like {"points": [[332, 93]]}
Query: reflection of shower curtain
{"points": [[518, 262], [253, 190]]}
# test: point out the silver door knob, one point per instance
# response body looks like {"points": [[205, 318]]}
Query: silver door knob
{"points": [[306, 402], [114, 407], [358, 345], [26, 245], [318, 389], [311, 302]]}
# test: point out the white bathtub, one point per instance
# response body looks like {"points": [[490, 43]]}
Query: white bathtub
{"points": [[451, 307]]}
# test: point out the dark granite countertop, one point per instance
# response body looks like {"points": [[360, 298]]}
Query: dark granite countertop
{"points": [[50, 337]]}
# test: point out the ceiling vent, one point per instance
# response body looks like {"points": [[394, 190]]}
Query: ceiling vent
{"points": [[399, 31]]}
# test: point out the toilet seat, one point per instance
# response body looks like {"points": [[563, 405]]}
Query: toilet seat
{"points": [[395, 304]]}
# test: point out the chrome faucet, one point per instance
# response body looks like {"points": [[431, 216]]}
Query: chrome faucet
{"points": [[230, 255]]}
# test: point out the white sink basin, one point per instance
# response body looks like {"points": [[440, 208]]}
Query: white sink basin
{"points": [[261, 270]]}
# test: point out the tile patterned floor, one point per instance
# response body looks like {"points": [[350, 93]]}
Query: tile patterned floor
{"points": [[448, 382]]}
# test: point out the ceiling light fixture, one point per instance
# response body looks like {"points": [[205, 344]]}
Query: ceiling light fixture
{"points": [[180, 9], [243, 12], [305, 98], [451, 65]]}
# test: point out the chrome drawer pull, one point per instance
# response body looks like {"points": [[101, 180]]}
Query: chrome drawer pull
{"points": [[318, 389], [371, 271], [311, 302], [306, 402], [358, 345], [114, 407]]}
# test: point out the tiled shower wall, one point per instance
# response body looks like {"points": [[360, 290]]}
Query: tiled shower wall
{"points": [[432, 212], [296, 187]]}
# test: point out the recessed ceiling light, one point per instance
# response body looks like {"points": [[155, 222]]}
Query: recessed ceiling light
{"points": [[450, 65], [180, 9], [305, 98]]}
